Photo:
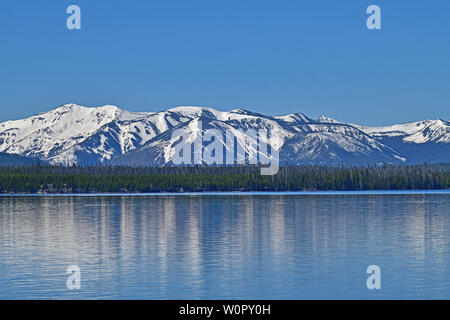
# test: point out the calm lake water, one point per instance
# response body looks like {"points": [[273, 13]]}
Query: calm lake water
{"points": [[247, 246]]}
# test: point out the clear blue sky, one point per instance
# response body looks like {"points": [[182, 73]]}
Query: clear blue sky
{"points": [[274, 57]]}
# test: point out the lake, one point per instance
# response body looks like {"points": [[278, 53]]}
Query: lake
{"points": [[226, 246]]}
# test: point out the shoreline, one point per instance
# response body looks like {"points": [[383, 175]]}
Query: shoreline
{"points": [[235, 193]]}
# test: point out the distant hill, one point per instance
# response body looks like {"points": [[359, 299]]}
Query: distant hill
{"points": [[15, 160]]}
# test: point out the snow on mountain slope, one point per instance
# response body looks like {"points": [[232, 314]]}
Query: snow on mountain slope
{"points": [[76, 134], [437, 131], [61, 129], [302, 140], [325, 119], [418, 142], [160, 150]]}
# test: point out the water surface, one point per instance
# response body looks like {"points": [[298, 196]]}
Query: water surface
{"points": [[251, 246]]}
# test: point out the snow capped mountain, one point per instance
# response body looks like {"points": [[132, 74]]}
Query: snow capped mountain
{"points": [[437, 131], [302, 140], [53, 135], [421, 141], [76, 134], [325, 119]]}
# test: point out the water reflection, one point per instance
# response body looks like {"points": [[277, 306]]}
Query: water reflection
{"points": [[193, 247]]}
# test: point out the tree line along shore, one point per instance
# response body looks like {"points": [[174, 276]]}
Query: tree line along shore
{"points": [[117, 179]]}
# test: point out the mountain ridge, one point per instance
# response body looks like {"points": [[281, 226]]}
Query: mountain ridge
{"points": [[91, 135]]}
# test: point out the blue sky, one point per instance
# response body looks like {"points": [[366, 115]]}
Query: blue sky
{"points": [[274, 57]]}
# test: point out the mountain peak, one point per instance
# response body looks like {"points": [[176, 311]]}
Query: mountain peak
{"points": [[190, 109], [325, 119], [240, 110], [73, 107], [294, 117], [69, 106]]}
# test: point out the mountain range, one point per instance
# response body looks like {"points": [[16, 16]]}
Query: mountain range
{"points": [[73, 134]]}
